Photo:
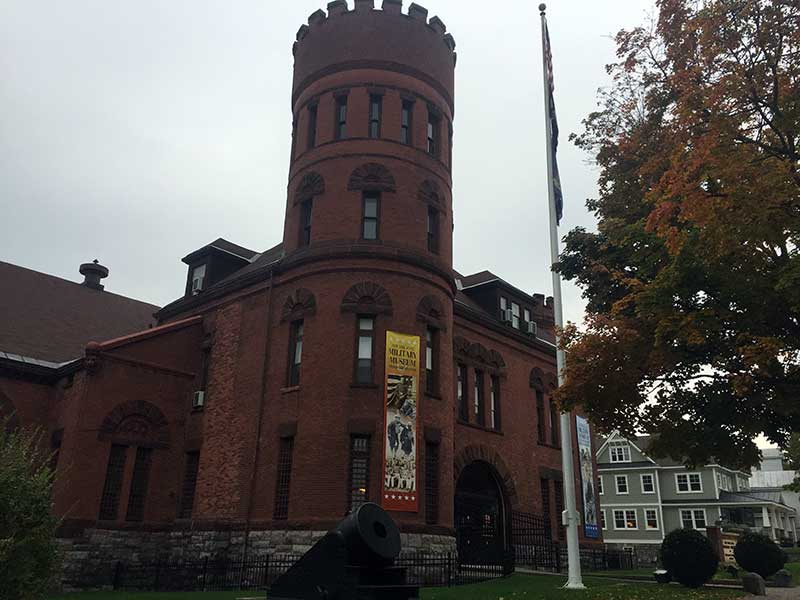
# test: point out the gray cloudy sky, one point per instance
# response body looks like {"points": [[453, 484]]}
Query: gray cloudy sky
{"points": [[136, 131]]}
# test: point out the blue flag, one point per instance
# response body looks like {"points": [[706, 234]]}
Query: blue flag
{"points": [[548, 58]]}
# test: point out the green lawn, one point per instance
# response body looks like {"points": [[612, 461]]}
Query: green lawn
{"points": [[517, 587]]}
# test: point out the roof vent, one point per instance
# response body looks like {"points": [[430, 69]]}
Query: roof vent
{"points": [[93, 272]]}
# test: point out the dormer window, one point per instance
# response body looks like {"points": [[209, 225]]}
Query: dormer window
{"points": [[198, 279], [620, 452]]}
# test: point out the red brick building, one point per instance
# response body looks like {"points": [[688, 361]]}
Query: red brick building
{"points": [[252, 416]]}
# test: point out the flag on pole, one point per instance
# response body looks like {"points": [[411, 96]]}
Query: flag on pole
{"points": [[548, 60]]}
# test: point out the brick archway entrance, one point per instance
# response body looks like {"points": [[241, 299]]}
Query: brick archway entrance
{"points": [[481, 515]]}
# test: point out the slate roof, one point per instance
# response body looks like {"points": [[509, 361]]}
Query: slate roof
{"points": [[51, 319]]}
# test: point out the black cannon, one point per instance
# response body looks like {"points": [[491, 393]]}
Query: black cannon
{"points": [[354, 561]]}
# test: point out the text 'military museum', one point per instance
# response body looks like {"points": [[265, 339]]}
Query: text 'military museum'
{"points": [[349, 363]]}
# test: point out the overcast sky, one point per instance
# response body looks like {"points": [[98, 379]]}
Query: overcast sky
{"points": [[137, 131]]}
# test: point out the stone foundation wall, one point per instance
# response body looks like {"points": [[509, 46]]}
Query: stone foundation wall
{"points": [[89, 562], [646, 554]]}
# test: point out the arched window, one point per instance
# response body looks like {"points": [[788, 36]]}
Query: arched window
{"points": [[366, 300], [135, 424]]}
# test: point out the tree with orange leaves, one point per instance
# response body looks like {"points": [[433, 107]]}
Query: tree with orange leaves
{"points": [[693, 277]]}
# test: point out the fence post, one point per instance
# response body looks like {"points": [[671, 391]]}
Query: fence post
{"points": [[448, 569], [117, 568], [205, 570], [158, 572]]}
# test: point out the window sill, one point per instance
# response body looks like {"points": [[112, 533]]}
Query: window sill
{"points": [[546, 445], [197, 410], [364, 386], [480, 427], [290, 389]]}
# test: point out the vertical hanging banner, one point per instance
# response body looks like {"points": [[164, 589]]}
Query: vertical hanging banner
{"points": [[400, 423], [590, 527]]}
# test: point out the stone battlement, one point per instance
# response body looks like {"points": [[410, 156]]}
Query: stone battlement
{"points": [[367, 37], [338, 8]]}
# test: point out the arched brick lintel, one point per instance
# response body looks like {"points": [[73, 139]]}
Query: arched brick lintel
{"points": [[480, 453]]}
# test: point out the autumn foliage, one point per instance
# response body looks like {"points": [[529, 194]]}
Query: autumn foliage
{"points": [[693, 277]]}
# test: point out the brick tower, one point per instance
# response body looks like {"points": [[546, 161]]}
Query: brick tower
{"points": [[368, 235]]}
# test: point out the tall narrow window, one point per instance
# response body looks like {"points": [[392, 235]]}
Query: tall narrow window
{"points": [[375, 109], [341, 117], [554, 423], [515, 315], [280, 511], [294, 138], [526, 317], [141, 476], [205, 363], [431, 483], [433, 230], [312, 126], [109, 502], [494, 402], [305, 222], [369, 231], [559, 497], [295, 352], [366, 341], [544, 484], [406, 117], [461, 393], [434, 133], [541, 424], [478, 398], [431, 366], [359, 471], [189, 484]]}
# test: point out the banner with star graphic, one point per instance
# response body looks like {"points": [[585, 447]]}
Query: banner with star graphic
{"points": [[400, 423]]}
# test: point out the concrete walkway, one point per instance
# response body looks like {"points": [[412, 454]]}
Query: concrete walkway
{"points": [[783, 593]]}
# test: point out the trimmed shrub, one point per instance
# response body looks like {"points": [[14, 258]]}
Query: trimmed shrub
{"points": [[756, 553], [28, 550], [689, 557]]}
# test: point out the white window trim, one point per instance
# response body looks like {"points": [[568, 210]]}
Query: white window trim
{"points": [[627, 485], [624, 445], [646, 525], [603, 520], [602, 486], [623, 511], [689, 483], [694, 523], [652, 481]]}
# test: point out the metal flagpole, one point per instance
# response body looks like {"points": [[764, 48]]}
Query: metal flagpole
{"points": [[570, 516]]}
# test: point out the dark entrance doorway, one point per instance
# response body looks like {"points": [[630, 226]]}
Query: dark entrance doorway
{"points": [[480, 516]]}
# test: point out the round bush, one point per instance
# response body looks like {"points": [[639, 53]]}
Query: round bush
{"points": [[689, 557], [756, 553]]}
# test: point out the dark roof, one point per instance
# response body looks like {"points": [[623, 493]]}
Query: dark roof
{"points": [[51, 319], [222, 245], [259, 263], [478, 278]]}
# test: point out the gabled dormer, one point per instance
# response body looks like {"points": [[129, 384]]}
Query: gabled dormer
{"points": [[213, 263]]}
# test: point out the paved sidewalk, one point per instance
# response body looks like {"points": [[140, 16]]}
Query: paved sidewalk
{"points": [[783, 593]]}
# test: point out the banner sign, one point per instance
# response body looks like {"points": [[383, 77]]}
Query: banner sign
{"points": [[400, 423], [590, 527]]}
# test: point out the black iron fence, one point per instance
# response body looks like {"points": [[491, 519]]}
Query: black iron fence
{"points": [[425, 570], [553, 557]]}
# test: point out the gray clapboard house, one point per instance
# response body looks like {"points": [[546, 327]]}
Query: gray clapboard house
{"points": [[642, 499]]}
